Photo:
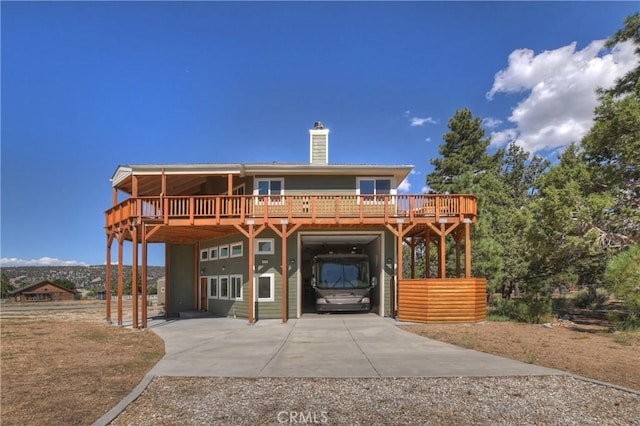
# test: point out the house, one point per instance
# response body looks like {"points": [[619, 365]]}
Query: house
{"points": [[44, 291], [240, 238]]}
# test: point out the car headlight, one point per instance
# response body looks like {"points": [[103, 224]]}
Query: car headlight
{"points": [[365, 300]]}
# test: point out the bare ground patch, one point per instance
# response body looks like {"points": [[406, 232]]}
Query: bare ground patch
{"points": [[68, 366], [588, 351]]}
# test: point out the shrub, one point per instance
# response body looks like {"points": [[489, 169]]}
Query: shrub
{"points": [[591, 298], [534, 309], [631, 322], [502, 308]]}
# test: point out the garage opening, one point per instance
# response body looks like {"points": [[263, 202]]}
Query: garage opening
{"points": [[360, 246]]}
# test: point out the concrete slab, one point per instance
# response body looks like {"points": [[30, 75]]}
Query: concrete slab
{"points": [[319, 346]]}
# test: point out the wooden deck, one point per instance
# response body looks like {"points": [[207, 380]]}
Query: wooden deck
{"points": [[341, 210]]}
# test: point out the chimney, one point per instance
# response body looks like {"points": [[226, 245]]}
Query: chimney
{"points": [[319, 144]]}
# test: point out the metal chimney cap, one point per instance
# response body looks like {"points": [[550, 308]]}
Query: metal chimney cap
{"points": [[318, 125]]}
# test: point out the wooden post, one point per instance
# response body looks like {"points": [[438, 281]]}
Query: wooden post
{"points": [[196, 279], [252, 277], [413, 258], [167, 280], [467, 249], [427, 253], [144, 275], [250, 233], [442, 261], [134, 276], [457, 238], [120, 277], [284, 274], [108, 283], [399, 253]]}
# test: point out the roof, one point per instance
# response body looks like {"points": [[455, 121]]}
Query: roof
{"points": [[28, 287], [198, 172]]}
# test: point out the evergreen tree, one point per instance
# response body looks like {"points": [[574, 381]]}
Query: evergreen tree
{"points": [[464, 151], [631, 81]]}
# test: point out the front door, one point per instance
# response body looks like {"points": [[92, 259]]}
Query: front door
{"points": [[203, 294]]}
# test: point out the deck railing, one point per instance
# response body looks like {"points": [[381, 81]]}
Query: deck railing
{"points": [[311, 207]]}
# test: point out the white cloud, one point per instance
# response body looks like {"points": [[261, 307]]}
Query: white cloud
{"points": [[405, 186], [560, 92], [428, 140], [43, 261], [425, 189], [417, 121], [491, 122]]}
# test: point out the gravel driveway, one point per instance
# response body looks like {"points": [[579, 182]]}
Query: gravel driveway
{"points": [[541, 400]]}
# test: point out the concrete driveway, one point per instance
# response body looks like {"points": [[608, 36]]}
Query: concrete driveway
{"points": [[318, 346]]}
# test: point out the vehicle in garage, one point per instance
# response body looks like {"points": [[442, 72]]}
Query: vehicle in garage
{"points": [[342, 282]]}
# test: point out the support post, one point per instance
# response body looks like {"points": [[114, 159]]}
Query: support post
{"points": [[285, 294], [427, 253], [107, 288], [442, 261], [413, 258], [458, 269], [120, 277], [134, 276], [399, 254], [144, 275], [467, 249], [252, 276]]}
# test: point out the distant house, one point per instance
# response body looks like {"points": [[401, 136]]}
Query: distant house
{"points": [[44, 291], [101, 294]]}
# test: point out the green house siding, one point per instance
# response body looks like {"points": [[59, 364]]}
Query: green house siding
{"points": [[182, 258], [264, 264], [302, 185], [181, 277], [219, 184]]}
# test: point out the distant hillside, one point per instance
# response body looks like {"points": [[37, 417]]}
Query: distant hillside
{"points": [[84, 277]]}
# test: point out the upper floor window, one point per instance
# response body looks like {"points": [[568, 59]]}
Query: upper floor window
{"points": [[270, 187], [374, 186]]}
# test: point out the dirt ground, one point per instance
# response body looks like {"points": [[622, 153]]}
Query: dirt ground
{"points": [[68, 367], [589, 351]]}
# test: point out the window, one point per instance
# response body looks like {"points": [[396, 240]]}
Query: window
{"points": [[236, 287], [374, 186], [265, 287], [204, 255], [224, 287], [270, 187], [213, 254], [223, 252], [236, 250], [213, 287], [264, 246]]}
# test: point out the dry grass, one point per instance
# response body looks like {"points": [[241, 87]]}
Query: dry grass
{"points": [[68, 367], [586, 351]]}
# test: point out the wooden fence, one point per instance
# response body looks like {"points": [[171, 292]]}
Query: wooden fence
{"points": [[442, 300]]}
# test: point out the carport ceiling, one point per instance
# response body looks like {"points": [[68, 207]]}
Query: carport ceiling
{"points": [[338, 239]]}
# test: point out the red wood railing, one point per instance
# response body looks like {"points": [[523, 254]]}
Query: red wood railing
{"points": [[311, 207]]}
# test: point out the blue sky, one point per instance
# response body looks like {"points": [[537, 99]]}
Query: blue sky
{"points": [[87, 86]]}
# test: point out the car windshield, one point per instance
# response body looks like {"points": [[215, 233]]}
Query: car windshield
{"points": [[344, 273]]}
